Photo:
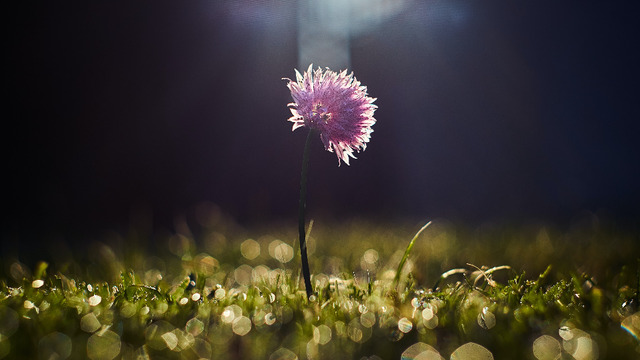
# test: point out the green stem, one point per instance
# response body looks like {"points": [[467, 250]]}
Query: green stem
{"points": [[396, 279], [301, 215]]}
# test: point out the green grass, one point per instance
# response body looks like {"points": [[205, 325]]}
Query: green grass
{"points": [[228, 293]]}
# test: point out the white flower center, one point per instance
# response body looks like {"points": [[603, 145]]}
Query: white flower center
{"points": [[320, 114]]}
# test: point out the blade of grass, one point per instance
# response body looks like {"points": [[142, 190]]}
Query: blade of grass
{"points": [[446, 274], [396, 280], [486, 273]]}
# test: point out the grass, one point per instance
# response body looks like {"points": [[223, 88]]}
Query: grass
{"points": [[225, 293]]}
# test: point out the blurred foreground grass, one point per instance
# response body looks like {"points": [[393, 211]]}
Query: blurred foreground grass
{"points": [[229, 293]]}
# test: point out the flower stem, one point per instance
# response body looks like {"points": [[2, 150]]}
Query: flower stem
{"points": [[301, 217]]}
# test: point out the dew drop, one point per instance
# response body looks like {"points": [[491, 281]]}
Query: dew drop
{"points": [[44, 305], [368, 319], [103, 345], [230, 313], [471, 351], [242, 274], [259, 274], [269, 319], [28, 304], [241, 326], [631, 324], [421, 351], [546, 348], [486, 319], [581, 346], [90, 323], [427, 313], [322, 334], [283, 354], [565, 333], [283, 253], [9, 321], [128, 310], [153, 334], [357, 332], [162, 308], [194, 327], [220, 294], [405, 325], [432, 323], [170, 339], [415, 303], [55, 345], [250, 249], [94, 300], [362, 309], [227, 316]]}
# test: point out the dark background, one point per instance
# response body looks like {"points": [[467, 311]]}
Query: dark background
{"points": [[488, 111]]}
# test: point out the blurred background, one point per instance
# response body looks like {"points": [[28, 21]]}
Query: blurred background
{"points": [[136, 113]]}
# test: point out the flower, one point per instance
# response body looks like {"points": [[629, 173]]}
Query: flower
{"points": [[337, 106]]}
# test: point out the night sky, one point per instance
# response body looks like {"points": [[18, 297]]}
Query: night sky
{"points": [[488, 111]]}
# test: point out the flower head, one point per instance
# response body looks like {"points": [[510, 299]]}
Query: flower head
{"points": [[337, 106]]}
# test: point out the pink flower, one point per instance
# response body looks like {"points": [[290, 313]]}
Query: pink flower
{"points": [[337, 106]]}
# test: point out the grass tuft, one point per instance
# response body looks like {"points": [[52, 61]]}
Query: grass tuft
{"points": [[234, 295]]}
